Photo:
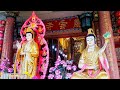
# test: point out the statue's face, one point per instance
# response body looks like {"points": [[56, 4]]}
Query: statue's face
{"points": [[28, 36], [90, 40]]}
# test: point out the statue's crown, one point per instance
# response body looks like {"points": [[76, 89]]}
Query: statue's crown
{"points": [[28, 30], [90, 31]]}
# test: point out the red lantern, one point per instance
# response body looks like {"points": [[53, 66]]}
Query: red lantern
{"points": [[118, 22], [117, 14]]}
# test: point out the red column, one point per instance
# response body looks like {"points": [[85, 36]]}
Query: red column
{"points": [[105, 26], [7, 49], [2, 28]]}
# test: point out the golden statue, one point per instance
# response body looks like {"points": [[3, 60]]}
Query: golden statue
{"points": [[32, 57], [28, 54], [93, 62]]}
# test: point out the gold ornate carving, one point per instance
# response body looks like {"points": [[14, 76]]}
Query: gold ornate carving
{"points": [[49, 25], [62, 24]]}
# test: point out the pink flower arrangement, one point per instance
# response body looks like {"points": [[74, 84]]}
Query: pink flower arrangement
{"points": [[10, 70], [65, 65], [74, 68], [51, 76], [57, 63], [4, 66], [51, 69], [69, 67], [58, 77], [62, 62], [68, 75], [57, 72], [62, 69]]}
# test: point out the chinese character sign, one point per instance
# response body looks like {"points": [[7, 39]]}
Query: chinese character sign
{"points": [[62, 24]]}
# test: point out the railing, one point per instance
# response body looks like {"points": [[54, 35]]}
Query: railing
{"points": [[13, 76]]}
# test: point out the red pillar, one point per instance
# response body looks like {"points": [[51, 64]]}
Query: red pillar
{"points": [[2, 28], [105, 26], [7, 49]]}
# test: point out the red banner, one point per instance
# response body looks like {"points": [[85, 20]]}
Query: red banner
{"points": [[62, 24]]}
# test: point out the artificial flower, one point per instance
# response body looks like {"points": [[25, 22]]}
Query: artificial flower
{"points": [[65, 64], [51, 69], [58, 77], [10, 70], [68, 67], [68, 75], [74, 68], [62, 62], [57, 72], [51, 76], [57, 63]]}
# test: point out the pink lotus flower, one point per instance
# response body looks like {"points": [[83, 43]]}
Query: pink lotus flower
{"points": [[8, 62], [65, 64], [57, 72], [51, 69], [51, 76], [74, 68], [69, 61], [68, 75], [57, 63], [2, 67], [56, 66], [62, 62], [58, 77], [59, 59], [68, 67], [10, 70], [3, 63]]}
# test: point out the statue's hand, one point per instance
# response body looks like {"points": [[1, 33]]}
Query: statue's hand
{"points": [[82, 61], [18, 45], [107, 40], [92, 67], [104, 46]]}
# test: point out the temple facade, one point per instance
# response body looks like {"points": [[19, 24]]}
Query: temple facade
{"points": [[65, 34]]}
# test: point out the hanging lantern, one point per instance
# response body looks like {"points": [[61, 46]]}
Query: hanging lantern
{"points": [[86, 21]]}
